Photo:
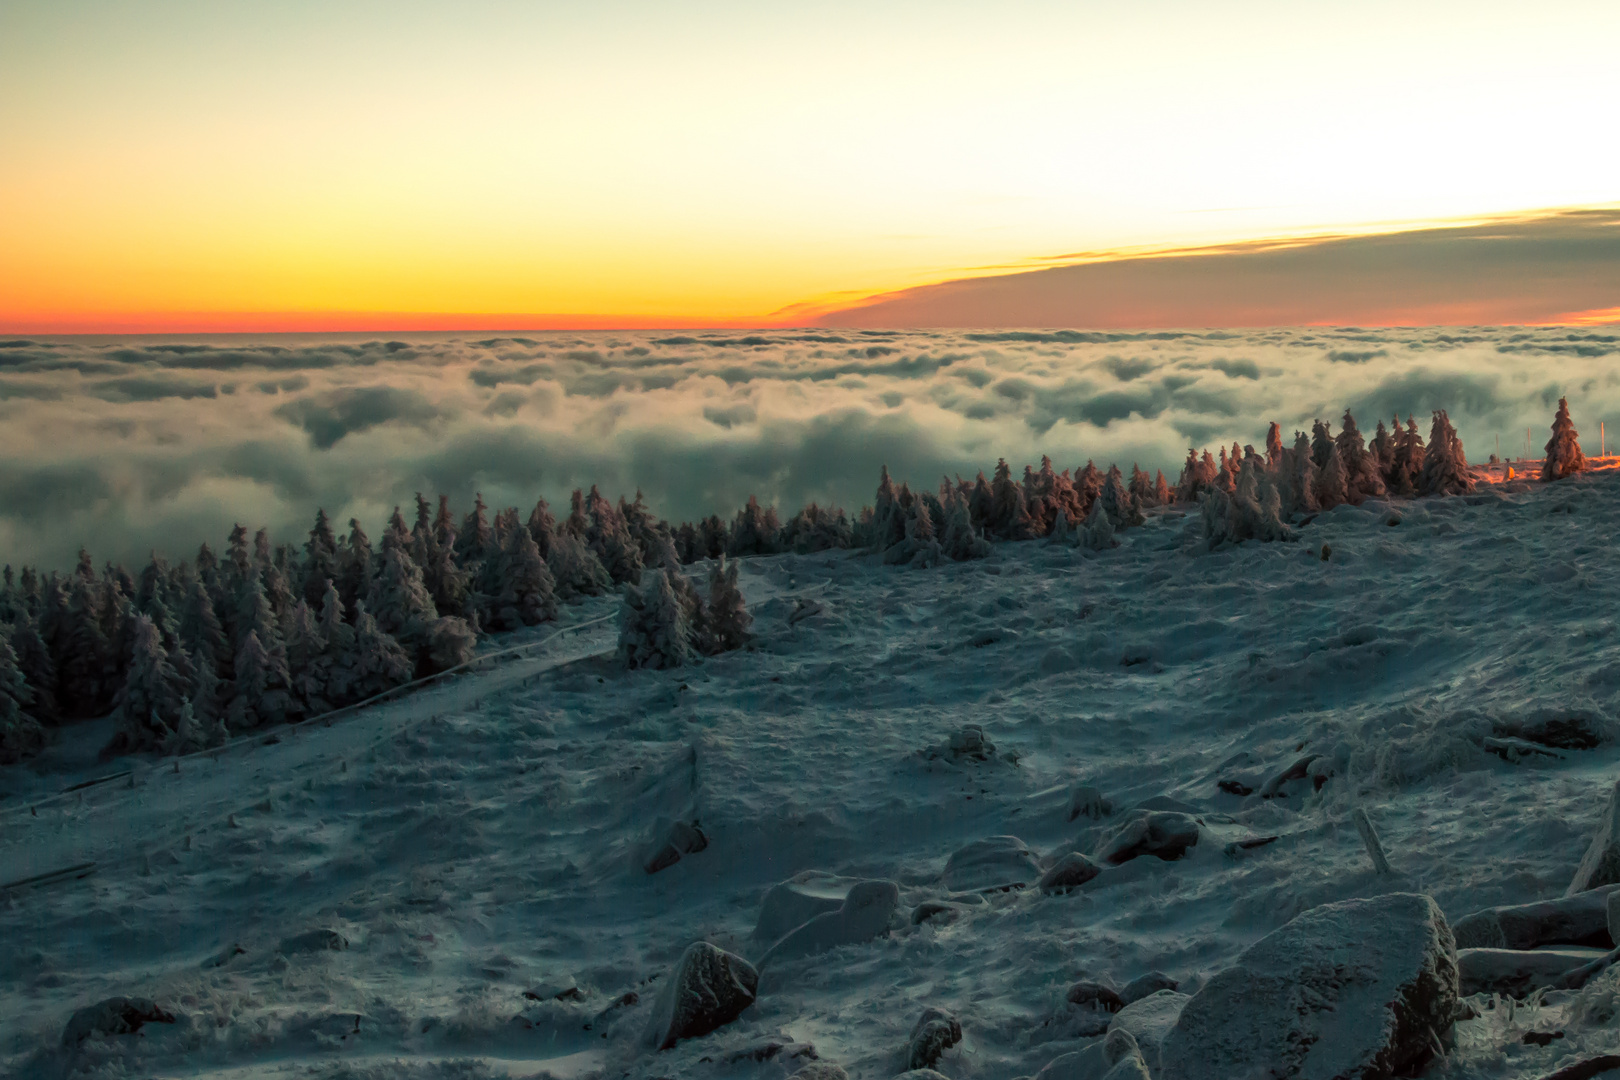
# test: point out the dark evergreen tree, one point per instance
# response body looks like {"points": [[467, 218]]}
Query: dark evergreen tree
{"points": [[655, 629], [727, 623], [305, 648], [543, 527], [528, 592], [34, 661], [149, 704], [320, 559], [575, 569], [755, 531], [1564, 457], [261, 685], [21, 735], [355, 566], [1321, 442], [1009, 513], [609, 538], [1363, 478], [1445, 466], [377, 661]]}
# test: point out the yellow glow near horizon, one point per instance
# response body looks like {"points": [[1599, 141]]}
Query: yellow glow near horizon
{"points": [[723, 161]]}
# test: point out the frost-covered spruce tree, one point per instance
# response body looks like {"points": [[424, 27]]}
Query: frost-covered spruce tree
{"points": [[1009, 511], [888, 515], [528, 592], [1321, 442], [149, 703], [1198, 475], [210, 695], [726, 624], [476, 536], [576, 570], [1363, 479], [1161, 489], [1564, 457], [1405, 465], [959, 540], [922, 541], [335, 667], [277, 589], [1117, 502], [21, 735], [543, 527], [1252, 511], [355, 565], [1333, 487], [86, 661], [609, 537], [1274, 446], [712, 537], [424, 549], [1302, 478], [399, 599], [641, 524], [34, 661], [261, 685], [817, 528], [755, 530], [1097, 534], [654, 628], [1382, 449], [1445, 466], [189, 734], [377, 662], [1141, 487], [305, 647], [200, 631]]}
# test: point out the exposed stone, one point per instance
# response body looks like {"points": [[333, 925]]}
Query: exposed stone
{"points": [[821, 1070], [1350, 989], [996, 862], [114, 1016], [1100, 995], [865, 914], [970, 744], [1149, 1020], [709, 988], [1601, 863], [1114, 1057], [935, 1032], [940, 911], [680, 838], [796, 901], [1516, 973], [1582, 919], [1164, 833], [1088, 801], [1151, 983], [921, 1074], [1069, 872], [322, 940]]}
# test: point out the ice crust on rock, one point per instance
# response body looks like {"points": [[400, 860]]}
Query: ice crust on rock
{"points": [[708, 989], [1070, 872], [1349, 989], [1166, 834], [1149, 1020], [865, 913], [935, 1031], [794, 902], [996, 862], [1581, 919], [113, 1016], [1601, 863], [1113, 1057]]}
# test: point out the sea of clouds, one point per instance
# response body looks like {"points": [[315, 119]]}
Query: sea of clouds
{"points": [[129, 446]]}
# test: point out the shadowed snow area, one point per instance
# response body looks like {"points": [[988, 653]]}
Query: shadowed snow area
{"points": [[126, 446], [489, 837]]}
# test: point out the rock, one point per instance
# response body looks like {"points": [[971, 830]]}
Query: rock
{"points": [[709, 988], [1087, 801], [970, 744], [1586, 1068], [1349, 989], [114, 1016], [1582, 919], [820, 1070], [1115, 1057], [561, 989], [322, 940], [679, 839], [865, 913], [996, 862], [1151, 983], [1149, 1020], [1601, 863], [1094, 994], [1164, 833], [1167, 802], [942, 911], [1612, 913], [935, 1032], [921, 1074], [1514, 972], [1070, 872], [796, 901]]}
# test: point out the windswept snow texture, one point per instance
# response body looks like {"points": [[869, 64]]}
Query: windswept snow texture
{"points": [[126, 446], [488, 837]]}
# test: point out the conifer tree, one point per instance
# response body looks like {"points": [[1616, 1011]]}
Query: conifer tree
{"points": [[1564, 457], [712, 537], [959, 539], [726, 618], [334, 670], [543, 527], [1321, 443], [1117, 502], [399, 599], [641, 524], [1445, 466], [210, 696], [1303, 477], [377, 661], [21, 735], [609, 537], [1141, 487], [87, 662], [922, 542], [578, 523], [477, 535], [355, 566], [149, 704], [1405, 468], [1097, 534], [576, 570], [1333, 489], [261, 685], [188, 736], [1382, 448], [655, 630], [1274, 446], [320, 559], [1363, 479], [33, 659], [755, 531], [1161, 489], [888, 516], [305, 647], [200, 630], [1009, 513], [528, 592]]}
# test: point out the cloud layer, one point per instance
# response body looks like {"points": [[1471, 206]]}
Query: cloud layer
{"points": [[130, 446]]}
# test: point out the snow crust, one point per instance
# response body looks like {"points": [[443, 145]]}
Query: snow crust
{"points": [[488, 837]]}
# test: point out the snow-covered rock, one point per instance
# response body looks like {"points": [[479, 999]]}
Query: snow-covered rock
{"points": [[865, 913], [1164, 833], [1086, 800], [319, 940], [796, 901], [1143, 985], [1516, 972], [671, 842], [1354, 988], [1069, 872], [1582, 919], [1149, 1020], [1601, 863], [821, 1070], [709, 988], [113, 1016], [1115, 1057], [934, 1032], [996, 862]]}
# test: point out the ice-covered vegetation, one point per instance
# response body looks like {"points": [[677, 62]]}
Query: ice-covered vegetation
{"points": [[186, 654]]}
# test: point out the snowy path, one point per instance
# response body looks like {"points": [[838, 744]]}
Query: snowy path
{"points": [[482, 841]]}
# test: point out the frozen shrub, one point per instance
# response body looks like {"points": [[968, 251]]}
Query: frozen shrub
{"points": [[655, 630], [726, 620], [1445, 467], [1253, 511], [1564, 457]]}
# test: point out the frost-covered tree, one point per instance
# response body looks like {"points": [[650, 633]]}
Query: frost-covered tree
{"points": [[655, 630], [755, 531], [334, 669], [609, 537], [575, 570], [450, 643], [641, 524], [1405, 467], [1274, 446], [305, 647], [726, 622], [543, 527], [1117, 502], [477, 535], [1143, 492], [398, 598], [1161, 489], [189, 735], [816, 528], [355, 566], [528, 592], [1363, 479], [1321, 442], [888, 515], [33, 659], [1198, 475], [1333, 487], [1009, 517], [1382, 448], [922, 541], [153, 694], [1564, 457], [959, 539], [261, 685], [376, 661], [1445, 466], [86, 661], [21, 735], [1252, 511], [1097, 534], [1302, 477]]}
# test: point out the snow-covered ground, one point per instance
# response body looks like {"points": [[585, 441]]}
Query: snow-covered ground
{"points": [[488, 836]]}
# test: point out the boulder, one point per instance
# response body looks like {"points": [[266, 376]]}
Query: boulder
{"points": [[921, 1074], [1164, 833], [1612, 913], [1091, 1009], [940, 911], [678, 839], [1349, 989], [1096, 994], [1514, 972], [1582, 919], [796, 901], [1115, 1057], [114, 1016], [1149, 1020], [1151, 983], [820, 1070], [1069, 872], [865, 913], [1088, 801], [322, 940], [996, 862], [1601, 863], [708, 989], [935, 1032], [970, 744]]}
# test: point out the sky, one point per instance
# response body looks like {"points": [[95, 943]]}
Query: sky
{"points": [[205, 165]]}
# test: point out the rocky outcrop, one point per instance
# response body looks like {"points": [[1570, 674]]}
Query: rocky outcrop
{"points": [[996, 862], [708, 989]]}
